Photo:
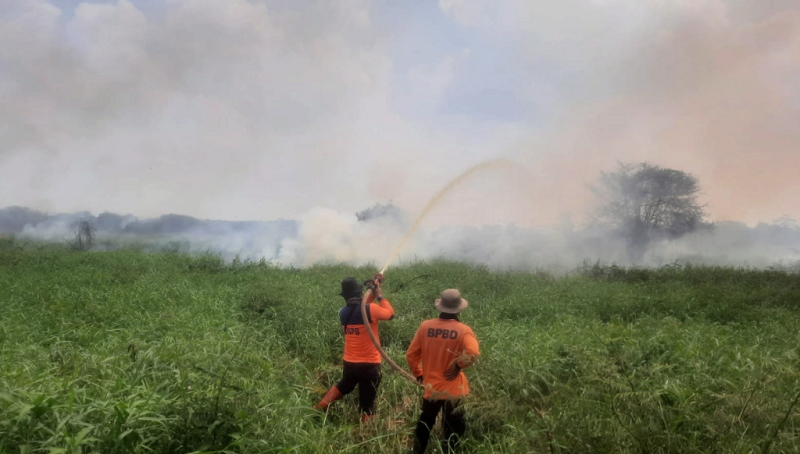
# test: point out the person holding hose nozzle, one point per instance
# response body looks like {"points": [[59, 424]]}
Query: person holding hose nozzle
{"points": [[362, 361], [441, 348]]}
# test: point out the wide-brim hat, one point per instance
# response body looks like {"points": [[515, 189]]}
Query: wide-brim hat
{"points": [[351, 288], [451, 302]]}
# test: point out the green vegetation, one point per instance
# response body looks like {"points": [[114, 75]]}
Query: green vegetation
{"points": [[134, 352]]}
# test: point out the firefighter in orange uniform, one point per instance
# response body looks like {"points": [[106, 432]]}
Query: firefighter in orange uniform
{"points": [[362, 361], [441, 348]]}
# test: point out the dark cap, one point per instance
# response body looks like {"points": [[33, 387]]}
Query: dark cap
{"points": [[351, 288]]}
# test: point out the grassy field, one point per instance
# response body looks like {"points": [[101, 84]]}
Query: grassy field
{"points": [[133, 352]]}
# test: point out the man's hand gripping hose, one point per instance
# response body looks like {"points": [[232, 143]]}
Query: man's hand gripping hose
{"points": [[374, 286]]}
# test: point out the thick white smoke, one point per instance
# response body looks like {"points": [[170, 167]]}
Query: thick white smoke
{"points": [[312, 110]]}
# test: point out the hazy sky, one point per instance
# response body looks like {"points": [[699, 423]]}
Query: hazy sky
{"points": [[256, 109]]}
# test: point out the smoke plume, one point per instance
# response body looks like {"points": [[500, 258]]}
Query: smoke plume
{"points": [[265, 109]]}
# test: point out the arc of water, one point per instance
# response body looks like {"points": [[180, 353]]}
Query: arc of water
{"points": [[434, 201]]}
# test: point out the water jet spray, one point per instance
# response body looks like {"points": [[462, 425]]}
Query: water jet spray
{"points": [[434, 201]]}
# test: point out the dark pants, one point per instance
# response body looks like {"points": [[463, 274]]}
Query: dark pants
{"points": [[368, 377], [452, 419]]}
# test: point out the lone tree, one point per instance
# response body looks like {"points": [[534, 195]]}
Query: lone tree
{"points": [[83, 236], [644, 202]]}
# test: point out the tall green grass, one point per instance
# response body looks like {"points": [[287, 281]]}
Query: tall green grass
{"points": [[133, 352]]}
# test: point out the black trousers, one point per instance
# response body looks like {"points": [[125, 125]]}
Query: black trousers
{"points": [[368, 377], [453, 421]]}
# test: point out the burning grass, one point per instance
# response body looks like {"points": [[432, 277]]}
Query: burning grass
{"points": [[128, 352]]}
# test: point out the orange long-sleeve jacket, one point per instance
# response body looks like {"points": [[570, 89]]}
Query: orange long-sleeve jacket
{"points": [[358, 346], [437, 345]]}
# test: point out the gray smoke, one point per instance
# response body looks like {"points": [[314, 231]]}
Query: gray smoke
{"points": [[326, 236], [312, 110]]}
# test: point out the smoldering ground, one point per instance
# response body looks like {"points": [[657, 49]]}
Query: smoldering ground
{"points": [[325, 236]]}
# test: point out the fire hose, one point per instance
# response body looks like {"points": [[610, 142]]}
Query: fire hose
{"points": [[377, 343]]}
